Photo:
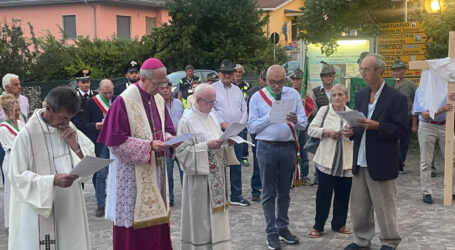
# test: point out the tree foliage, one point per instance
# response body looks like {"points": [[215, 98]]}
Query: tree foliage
{"points": [[202, 33], [437, 27], [323, 21]]}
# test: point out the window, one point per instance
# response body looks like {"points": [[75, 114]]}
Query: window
{"points": [[150, 23], [124, 27], [69, 26]]}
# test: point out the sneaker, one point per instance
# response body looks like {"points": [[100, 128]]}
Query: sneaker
{"points": [[242, 202], [287, 236], [256, 197], [273, 242], [245, 161], [402, 171], [306, 181], [99, 212], [427, 199]]}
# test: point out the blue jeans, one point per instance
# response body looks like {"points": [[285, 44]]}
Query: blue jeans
{"points": [[276, 164], [170, 176], [235, 172], [99, 178], [256, 184]]}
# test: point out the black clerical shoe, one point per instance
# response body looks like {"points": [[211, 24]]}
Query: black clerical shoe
{"points": [[384, 247], [427, 199], [99, 212]]}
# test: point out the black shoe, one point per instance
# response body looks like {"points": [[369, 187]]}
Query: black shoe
{"points": [[453, 196], [242, 202], [383, 247], [427, 199], [287, 236], [256, 197], [171, 203], [99, 212], [273, 242]]}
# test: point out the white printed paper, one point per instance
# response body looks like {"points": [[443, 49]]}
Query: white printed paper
{"points": [[351, 117], [239, 140], [180, 138], [89, 165], [234, 129], [280, 109]]}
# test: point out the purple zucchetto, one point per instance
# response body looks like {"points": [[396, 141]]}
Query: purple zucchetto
{"points": [[152, 63]]}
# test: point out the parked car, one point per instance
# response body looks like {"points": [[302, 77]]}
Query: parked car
{"points": [[175, 77]]}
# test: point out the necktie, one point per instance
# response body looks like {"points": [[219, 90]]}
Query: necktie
{"points": [[278, 97]]}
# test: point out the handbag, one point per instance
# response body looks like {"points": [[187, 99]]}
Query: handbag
{"points": [[312, 144]]}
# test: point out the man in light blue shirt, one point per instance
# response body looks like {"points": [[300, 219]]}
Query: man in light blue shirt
{"points": [[276, 152], [231, 107], [175, 108], [430, 131]]}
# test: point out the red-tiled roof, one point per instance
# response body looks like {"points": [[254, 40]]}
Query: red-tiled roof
{"points": [[265, 4]]}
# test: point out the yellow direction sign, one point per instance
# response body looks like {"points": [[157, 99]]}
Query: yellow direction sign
{"points": [[401, 49], [403, 38], [404, 27]]}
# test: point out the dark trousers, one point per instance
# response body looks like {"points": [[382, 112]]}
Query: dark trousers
{"points": [[99, 178], [329, 184], [304, 162], [276, 164], [2, 156], [244, 135], [256, 184], [170, 176], [404, 145], [235, 172]]}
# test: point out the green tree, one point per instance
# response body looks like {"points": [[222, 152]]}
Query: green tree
{"points": [[437, 27], [323, 21], [204, 32], [17, 53]]}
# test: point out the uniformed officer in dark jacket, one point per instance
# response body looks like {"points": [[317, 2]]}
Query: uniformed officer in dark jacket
{"points": [[238, 75], [185, 84], [131, 70], [85, 93]]}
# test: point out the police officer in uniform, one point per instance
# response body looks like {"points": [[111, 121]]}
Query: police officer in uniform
{"points": [[244, 87], [131, 70], [85, 93], [185, 84]]}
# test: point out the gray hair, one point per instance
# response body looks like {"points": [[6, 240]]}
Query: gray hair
{"points": [[379, 62], [63, 97], [239, 66], [273, 67], [148, 73], [105, 81], [202, 89], [339, 86], [6, 81]]}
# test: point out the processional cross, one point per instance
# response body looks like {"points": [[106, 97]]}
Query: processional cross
{"points": [[47, 242], [448, 170]]}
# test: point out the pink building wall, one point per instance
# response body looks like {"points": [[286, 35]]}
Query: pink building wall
{"points": [[49, 18]]}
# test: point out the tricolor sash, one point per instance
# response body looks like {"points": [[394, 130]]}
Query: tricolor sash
{"points": [[13, 129], [150, 208], [102, 103]]}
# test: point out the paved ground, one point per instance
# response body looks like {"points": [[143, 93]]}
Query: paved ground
{"points": [[421, 226]]}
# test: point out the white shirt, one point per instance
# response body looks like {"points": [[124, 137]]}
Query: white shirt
{"points": [[230, 105]]}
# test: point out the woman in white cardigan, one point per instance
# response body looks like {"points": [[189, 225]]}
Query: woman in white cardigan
{"points": [[333, 161]]}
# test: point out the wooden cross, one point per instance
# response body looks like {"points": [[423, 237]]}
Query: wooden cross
{"points": [[448, 170], [47, 242]]}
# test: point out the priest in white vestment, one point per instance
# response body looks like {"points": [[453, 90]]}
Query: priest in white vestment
{"points": [[204, 159], [47, 203]]}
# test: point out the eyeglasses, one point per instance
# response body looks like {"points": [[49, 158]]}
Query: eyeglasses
{"points": [[280, 82], [210, 103], [364, 70]]}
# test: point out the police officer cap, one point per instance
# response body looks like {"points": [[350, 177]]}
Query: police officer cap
{"points": [[327, 69], [398, 64], [212, 76], [83, 74], [297, 74], [131, 66]]}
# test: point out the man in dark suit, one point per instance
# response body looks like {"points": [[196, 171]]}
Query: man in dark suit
{"points": [[85, 93], [95, 111], [376, 158], [131, 70]]}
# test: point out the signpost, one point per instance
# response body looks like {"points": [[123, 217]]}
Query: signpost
{"points": [[448, 170]]}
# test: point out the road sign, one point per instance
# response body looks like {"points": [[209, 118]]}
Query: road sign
{"points": [[274, 38]]}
